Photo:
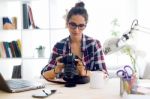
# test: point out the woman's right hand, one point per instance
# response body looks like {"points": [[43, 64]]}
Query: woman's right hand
{"points": [[59, 65], [58, 62], [49, 75]]}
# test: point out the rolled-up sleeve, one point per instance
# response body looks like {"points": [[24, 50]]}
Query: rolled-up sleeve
{"points": [[99, 56], [52, 62]]}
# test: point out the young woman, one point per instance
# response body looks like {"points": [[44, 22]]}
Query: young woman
{"points": [[88, 50]]}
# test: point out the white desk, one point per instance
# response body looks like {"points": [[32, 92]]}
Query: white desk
{"points": [[110, 91]]}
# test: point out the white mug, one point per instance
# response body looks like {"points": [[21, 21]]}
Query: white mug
{"points": [[97, 79]]}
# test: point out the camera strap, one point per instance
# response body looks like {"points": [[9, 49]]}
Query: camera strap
{"points": [[69, 47]]}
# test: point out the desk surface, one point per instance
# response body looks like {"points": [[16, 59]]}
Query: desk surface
{"points": [[110, 91]]}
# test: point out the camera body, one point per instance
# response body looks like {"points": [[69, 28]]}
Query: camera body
{"points": [[70, 69]]}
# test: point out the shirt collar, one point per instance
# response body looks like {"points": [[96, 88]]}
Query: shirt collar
{"points": [[83, 43]]}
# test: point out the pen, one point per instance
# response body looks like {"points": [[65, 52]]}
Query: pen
{"points": [[46, 92], [127, 86]]}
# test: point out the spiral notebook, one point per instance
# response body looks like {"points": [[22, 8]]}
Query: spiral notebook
{"points": [[18, 85]]}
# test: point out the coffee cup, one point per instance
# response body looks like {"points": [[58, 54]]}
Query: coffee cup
{"points": [[97, 79]]}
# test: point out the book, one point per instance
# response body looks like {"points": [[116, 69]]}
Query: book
{"points": [[31, 20], [3, 52], [9, 23], [25, 16], [28, 19], [12, 49], [14, 22], [16, 49], [6, 47], [16, 72], [19, 44], [0, 53]]}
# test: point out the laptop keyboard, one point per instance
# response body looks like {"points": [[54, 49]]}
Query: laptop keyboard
{"points": [[15, 84]]}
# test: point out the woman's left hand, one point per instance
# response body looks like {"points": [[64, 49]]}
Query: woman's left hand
{"points": [[105, 74], [80, 67]]}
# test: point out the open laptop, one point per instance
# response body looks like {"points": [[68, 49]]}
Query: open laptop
{"points": [[18, 85]]}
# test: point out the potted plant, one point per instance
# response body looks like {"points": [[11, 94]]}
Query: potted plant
{"points": [[41, 51]]}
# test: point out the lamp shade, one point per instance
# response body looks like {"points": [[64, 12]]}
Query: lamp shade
{"points": [[111, 46]]}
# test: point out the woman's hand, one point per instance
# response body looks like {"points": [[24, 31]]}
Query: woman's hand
{"points": [[106, 76], [49, 75], [59, 65], [80, 67]]}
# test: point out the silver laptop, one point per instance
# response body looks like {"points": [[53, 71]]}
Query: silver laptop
{"points": [[18, 85]]}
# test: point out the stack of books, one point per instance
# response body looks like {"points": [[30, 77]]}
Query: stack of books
{"points": [[9, 23], [28, 17], [10, 49]]}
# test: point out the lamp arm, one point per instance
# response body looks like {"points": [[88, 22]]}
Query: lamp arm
{"points": [[134, 27], [115, 44], [142, 29]]}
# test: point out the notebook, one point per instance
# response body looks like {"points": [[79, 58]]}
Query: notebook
{"points": [[18, 85]]}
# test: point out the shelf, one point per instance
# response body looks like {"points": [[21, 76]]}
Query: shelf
{"points": [[11, 30], [15, 58], [41, 58], [30, 38], [17, 0], [9, 0], [51, 29]]}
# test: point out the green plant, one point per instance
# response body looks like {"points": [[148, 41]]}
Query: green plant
{"points": [[115, 25], [130, 52], [40, 51], [40, 47]]}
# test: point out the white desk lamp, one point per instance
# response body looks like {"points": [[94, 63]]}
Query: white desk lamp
{"points": [[115, 44]]}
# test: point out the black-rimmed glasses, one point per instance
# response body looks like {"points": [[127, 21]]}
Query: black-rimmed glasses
{"points": [[73, 25]]}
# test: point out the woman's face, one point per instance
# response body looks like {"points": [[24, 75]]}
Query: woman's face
{"points": [[76, 25]]}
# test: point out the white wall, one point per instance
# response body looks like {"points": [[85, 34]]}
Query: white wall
{"points": [[101, 13], [144, 21]]}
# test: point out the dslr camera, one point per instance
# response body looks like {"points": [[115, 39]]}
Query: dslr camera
{"points": [[70, 69]]}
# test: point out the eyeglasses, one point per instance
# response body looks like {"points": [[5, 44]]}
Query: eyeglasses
{"points": [[73, 25]]}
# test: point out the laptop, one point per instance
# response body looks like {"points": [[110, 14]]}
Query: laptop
{"points": [[18, 85]]}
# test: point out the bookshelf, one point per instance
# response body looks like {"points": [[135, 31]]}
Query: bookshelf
{"points": [[30, 38], [48, 16]]}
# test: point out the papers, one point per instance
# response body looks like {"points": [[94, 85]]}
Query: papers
{"points": [[133, 96], [144, 84], [143, 88]]}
